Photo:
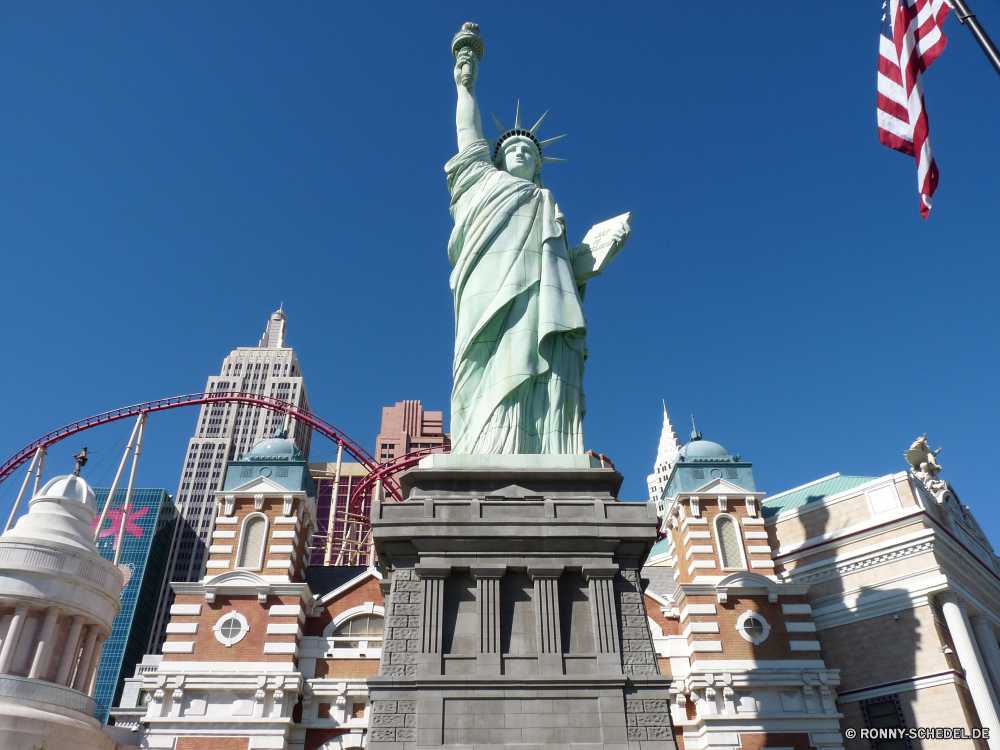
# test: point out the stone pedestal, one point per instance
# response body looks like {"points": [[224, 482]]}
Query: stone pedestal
{"points": [[515, 615]]}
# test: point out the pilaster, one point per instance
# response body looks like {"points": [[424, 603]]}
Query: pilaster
{"points": [[488, 615], [548, 629], [601, 580], [431, 613]]}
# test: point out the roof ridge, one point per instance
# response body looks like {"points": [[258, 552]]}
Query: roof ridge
{"points": [[803, 486]]}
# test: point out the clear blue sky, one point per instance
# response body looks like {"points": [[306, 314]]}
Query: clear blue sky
{"points": [[174, 171]]}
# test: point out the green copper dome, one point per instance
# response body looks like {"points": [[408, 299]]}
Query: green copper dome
{"points": [[702, 449], [278, 448]]}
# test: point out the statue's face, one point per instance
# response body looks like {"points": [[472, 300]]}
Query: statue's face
{"points": [[520, 160]]}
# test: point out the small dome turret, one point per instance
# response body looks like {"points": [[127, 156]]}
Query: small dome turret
{"points": [[278, 448], [69, 487], [702, 450]]}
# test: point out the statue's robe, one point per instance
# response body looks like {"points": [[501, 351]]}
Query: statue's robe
{"points": [[520, 331]]}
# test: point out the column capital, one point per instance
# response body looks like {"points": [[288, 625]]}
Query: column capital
{"points": [[950, 597], [424, 570], [488, 571], [599, 571], [537, 572]]}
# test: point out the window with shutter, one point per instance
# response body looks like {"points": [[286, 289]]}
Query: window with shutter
{"points": [[729, 543], [252, 543]]}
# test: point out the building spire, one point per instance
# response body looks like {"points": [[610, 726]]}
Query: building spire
{"points": [[666, 456], [695, 435], [274, 334]]}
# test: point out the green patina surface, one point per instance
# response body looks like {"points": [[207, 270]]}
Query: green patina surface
{"points": [[811, 493], [661, 547]]}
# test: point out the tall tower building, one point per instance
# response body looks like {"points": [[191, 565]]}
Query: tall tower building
{"points": [[666, 456], [223, 433], [407, 427]]}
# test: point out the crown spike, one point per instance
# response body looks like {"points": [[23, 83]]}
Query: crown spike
{"points": [[532, 131], [550, 159], [497, 122], [543, 144], [517, 117]]}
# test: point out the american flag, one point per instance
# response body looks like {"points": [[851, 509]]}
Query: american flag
{"points": [[911, 40]]}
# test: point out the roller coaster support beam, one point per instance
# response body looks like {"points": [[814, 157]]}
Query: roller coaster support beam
{"points": [[27, 478], [118, 477], [334, 500], [131, 487], [38, 473]]}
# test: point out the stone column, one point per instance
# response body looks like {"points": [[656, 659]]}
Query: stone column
{"points": [[604, 613], [91, 682], [69, 651], [982, 627], [548, 628], [968, 655], [13, 636], [80, 682], [43, 651], [488, 612]]}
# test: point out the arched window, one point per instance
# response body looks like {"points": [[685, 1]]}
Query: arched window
{"points": [[363, 632], [252, 538], [730, 549]]}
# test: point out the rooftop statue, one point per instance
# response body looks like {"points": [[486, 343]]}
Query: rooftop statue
{"points": [[924, 463], [520, 330]]}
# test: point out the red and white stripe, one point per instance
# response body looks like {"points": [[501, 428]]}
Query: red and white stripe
{"points": [[917, 40]]}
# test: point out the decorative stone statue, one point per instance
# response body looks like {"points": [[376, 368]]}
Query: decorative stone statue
{"points": [[924, 463], [520, 330]]}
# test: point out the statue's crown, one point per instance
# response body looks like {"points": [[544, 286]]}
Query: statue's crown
{"points": [[519, 133]]}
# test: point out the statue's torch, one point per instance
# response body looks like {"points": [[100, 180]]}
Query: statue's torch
{"points": [[468, 38]]}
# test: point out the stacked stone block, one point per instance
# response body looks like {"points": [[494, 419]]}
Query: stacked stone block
{"points": [[401, 640], [638, 656], [393, 721], [648, 719]]}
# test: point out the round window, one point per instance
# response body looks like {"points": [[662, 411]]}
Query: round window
{"points": [[753, 627], [231, 628]]}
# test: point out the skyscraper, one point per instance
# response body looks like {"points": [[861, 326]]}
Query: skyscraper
{"points": [[148, 531], [224, 432], [407, 427], [666, 456]]}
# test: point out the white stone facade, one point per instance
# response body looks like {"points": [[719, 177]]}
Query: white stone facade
{"points": [[58, 598]]}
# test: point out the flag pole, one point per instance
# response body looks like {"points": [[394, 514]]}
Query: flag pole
{"points": [[964, 14]]}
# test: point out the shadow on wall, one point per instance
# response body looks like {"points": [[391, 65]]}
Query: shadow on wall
{"points": [[871, 652]]}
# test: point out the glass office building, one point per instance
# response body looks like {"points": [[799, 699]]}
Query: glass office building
{"points": [[149, 529]]}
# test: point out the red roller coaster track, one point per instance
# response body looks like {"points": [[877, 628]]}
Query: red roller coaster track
{"points": [[384, 472]]}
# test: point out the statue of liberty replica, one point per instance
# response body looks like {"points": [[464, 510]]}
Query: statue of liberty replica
{"points": [[520, 330], [514, 617]]}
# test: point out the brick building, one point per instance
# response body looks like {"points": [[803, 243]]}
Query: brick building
{"points": [[265, 651], [851, 602]]}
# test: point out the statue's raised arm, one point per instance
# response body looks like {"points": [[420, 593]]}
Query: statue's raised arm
{"points": [[468, 49]]}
